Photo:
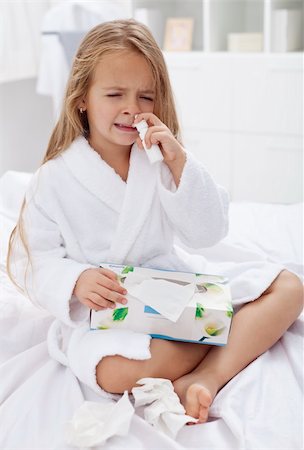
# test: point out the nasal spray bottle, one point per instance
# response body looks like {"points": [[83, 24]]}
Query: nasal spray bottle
{"points": [[154, 154]]}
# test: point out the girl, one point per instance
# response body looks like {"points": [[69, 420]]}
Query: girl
{"points": [[96, 198]]}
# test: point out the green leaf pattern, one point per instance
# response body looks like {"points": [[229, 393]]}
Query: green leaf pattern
{"points": [[128, 269], [199, 312], [119, 314], [229, 311]]}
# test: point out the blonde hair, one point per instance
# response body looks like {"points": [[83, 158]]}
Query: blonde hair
{"points": [[108, 37]]}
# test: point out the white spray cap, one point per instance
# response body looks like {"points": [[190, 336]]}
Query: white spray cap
{"points": [[154, 154]]}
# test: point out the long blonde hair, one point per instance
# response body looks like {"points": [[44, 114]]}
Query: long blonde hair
{"points": [[108, 37]]}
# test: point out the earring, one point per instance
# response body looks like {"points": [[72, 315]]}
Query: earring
{"points": [[81, 110]]}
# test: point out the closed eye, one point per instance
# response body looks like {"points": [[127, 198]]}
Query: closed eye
{"points": [[113, 95], [147, 98]]}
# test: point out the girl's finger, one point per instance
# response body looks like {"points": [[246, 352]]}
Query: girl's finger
{"points": [[110, 284], [160, 138], [139, 143], [111, 295], [150, 118], [100, 301], [108, 273], [92, 305]]}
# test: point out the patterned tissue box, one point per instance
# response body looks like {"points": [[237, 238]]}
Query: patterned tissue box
{"points": [[170, 305]]}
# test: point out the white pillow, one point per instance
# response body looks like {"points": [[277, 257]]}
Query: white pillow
{"points": [[12, 189]]}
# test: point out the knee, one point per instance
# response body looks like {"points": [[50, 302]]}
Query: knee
{"points": [[292, 289], [109, 377], [116, 374], [296, 291]]}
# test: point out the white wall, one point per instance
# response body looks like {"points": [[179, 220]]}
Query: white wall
{"points": [[26, 121]]}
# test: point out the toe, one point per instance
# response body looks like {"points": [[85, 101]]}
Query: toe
{"points": [[204, 400], [204, 397], [192, 404], [203, 414]]}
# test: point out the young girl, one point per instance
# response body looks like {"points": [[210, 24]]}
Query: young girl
{"points": [[97, 198]]}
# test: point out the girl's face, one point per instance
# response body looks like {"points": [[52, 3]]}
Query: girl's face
{"points": [[122, 87]]}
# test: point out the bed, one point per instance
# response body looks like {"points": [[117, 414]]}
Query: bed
{"points": [[261, 408]]}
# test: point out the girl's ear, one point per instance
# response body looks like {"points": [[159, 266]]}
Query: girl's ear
{"points": [[82, 104]]}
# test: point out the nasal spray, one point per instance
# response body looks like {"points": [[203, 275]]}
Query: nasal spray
{"points": [[154, 154]]}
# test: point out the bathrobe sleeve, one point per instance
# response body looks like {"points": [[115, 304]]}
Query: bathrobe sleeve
{"points": [[49, 276], [198, 208]]}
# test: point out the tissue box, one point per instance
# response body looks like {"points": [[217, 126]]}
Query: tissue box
{"points": [[178, 306]]}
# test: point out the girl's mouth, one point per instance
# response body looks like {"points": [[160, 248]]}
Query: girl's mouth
{"points": [[127, 128]]}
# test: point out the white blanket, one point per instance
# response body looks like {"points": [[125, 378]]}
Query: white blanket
{"points": [[261, 408]]}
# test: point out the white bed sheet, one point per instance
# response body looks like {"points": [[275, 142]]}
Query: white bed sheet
{"points": [[261, 408]]}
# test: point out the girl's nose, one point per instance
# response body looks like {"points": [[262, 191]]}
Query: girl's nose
{"points": [[132, 108], [132, 113]]}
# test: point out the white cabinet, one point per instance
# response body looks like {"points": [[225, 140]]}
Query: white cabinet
{"points": [[267, 169], [241, 115], [252, 167], [203, 99], [185, 76], [240, 93], [267, 93], [215, 20]]}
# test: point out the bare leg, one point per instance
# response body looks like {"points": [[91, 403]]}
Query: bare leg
{"points": [[169, 360], [197, 372], [255, 328]]}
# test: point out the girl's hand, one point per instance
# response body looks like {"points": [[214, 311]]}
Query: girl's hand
{"points": [[159, 133], [99, 289]]}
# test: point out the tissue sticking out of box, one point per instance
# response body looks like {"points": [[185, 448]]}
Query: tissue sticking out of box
{"points": [[165, 296]]}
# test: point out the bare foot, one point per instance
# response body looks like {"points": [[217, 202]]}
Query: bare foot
{"points": [[195, 396], [198, 401]]}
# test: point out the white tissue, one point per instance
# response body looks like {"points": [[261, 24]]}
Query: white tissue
{"points": [[165, 412], [166, 297], [93, 423]]}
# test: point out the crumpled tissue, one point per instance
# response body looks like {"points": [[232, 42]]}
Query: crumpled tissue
{"points": [[93, 423], [165, 411]]}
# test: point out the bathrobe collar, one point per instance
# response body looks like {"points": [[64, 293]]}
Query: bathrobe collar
{"points": [[136, 209], [131, 200], [94, 173]]}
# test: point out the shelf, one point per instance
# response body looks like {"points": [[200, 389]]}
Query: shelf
{"points": [[172, 9], [255, 25], [234, 16]]}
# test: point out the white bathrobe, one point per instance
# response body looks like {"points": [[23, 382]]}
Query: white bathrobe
{"points": [[80, 213]]}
